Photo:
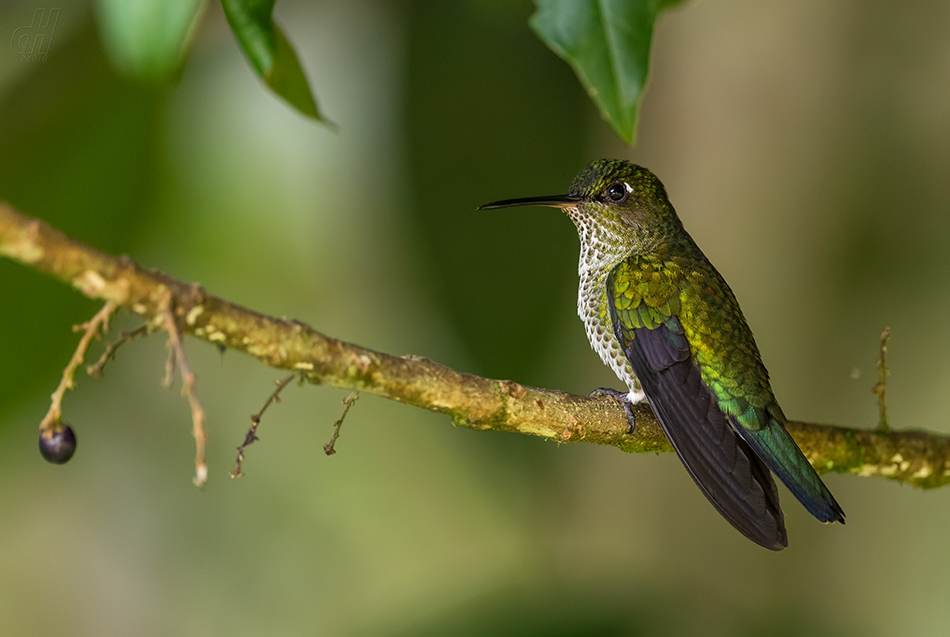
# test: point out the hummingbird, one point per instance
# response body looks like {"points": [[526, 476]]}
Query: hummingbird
{"points": [[665, 321]]}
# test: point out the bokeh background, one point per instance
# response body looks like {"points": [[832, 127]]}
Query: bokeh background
{"points": [[805, 145]]}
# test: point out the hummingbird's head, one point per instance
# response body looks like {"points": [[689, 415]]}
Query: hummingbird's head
{"points": [[614, 202]]}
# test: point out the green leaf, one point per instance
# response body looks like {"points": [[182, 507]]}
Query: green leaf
{"points": [[147, 38], [269, 52], [607, 42]]}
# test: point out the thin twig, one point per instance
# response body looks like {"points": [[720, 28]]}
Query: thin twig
{"points": [[880, 388], [187, 390], [348, 401], [52, 421], [169, 378], [251, 436], [95, 370]]}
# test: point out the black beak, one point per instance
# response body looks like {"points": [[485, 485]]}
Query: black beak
{"points": [[554, 201]]}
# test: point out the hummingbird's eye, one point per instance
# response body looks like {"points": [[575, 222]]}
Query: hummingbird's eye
{"points": [[616, 192]]}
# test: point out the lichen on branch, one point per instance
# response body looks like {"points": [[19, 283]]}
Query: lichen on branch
{"points": [[914, 457]]}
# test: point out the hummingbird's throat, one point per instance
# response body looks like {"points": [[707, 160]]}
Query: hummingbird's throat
{"points": [[602, 246]]}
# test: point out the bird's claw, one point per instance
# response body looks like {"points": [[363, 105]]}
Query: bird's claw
{"points": [[623, 398]]}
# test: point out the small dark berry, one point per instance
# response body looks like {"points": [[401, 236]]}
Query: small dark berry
{"points": [[59, 448]]}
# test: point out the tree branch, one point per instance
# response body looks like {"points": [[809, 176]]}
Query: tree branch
{"points": [[914, 457]]}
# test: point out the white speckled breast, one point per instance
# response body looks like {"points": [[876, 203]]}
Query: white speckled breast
{"points": [[597, 259]]}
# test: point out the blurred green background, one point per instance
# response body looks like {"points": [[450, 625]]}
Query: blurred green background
{"points": [[806, 146]]}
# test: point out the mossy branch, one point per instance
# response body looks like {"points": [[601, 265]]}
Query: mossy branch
{"points": [[915, 457]]}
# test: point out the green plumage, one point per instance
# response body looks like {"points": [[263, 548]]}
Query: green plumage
{"points": [[661, 316], [679, 282]]}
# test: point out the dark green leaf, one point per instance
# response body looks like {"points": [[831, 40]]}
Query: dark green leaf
{"points": [[269, 52], [607, 42], [147, 38]]}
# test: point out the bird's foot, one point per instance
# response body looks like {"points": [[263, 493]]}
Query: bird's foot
{"points": [[627, 399]]}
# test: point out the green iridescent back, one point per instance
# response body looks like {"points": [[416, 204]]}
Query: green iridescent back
{"points": [[679, 282]]}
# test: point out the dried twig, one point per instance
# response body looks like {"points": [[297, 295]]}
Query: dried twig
{"points": [[95, 370], [348, 401], [169, 379], [251, 436], [880, 388], [187, 390], [52, 422]]}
